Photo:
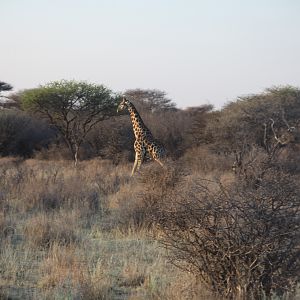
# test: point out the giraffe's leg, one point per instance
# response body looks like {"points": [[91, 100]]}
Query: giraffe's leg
{"points": [[139, 156], [140, 159], [156, 154], [159, 161], [135, 164]]}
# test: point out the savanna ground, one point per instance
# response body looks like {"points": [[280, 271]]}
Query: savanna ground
{"points": [[219, 221], [68, 233]]}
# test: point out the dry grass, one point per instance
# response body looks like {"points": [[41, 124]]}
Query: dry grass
{"points": [[202, 161], [61, 266], [137, 200], [60, 238], [43, 230], [86, 233]]}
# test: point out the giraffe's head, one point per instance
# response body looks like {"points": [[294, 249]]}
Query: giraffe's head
{"points": [[123, 104]]}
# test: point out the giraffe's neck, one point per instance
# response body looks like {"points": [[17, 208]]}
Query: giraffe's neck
{"points": [[137, 123]]}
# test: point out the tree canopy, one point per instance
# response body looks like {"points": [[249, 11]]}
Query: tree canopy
{"points": [[151, 100], [73, 108], [243, 122]]}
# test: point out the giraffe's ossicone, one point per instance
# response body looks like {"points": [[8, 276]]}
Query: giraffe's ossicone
{"points": [[145, 145]]}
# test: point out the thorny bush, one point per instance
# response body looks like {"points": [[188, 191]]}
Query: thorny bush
{"points": [[242, 242]]}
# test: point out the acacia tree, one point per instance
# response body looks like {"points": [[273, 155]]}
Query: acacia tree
{"points": [[151, 100], [73, 108]]}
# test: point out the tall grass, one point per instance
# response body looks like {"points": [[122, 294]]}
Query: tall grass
{"points": [[73, 233]]}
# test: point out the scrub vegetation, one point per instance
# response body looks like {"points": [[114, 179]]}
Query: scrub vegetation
{"points": [[219, 221]]}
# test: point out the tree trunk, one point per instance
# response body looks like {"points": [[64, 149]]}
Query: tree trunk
{"points": [[74, 149], [76, 155]]}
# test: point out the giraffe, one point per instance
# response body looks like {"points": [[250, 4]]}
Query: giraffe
{"points": [[144, 143]]}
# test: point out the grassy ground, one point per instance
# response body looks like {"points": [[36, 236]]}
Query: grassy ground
{"points": [[62, 236]]}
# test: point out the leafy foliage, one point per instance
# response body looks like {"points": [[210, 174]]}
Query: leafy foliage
{"points": [[74, 108], [151, 100]]}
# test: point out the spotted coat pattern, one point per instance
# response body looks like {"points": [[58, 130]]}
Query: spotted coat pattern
{"points": [[145, 144]]}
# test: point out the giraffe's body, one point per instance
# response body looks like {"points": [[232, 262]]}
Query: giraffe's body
{"points": [[145, 144]]}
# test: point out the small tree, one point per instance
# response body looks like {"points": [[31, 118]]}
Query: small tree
{"points": [[73, 108]]}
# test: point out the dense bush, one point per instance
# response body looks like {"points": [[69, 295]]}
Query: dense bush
{"points": [[111, 139], [242, 242], [265, 120], [21, 135]]}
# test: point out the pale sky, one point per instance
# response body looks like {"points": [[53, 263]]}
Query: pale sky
{"points": [[199, 52]]}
